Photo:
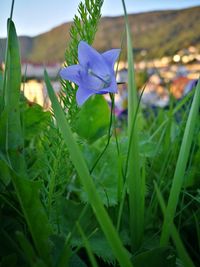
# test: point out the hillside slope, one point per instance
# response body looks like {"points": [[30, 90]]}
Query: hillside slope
{"points": [[159, 33]]}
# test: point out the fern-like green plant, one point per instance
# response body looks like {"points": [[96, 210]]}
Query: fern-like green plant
{"points": [[83, 28]]}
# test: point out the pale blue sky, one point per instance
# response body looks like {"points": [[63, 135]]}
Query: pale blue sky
{"points": [[36, 16]]}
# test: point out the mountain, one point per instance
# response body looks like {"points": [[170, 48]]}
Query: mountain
{"points": [[159, 33]]}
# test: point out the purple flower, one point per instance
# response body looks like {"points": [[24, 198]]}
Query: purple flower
{"points": [[94, 74]]}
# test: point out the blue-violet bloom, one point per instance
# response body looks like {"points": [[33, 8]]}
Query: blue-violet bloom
{"points": [[94, 74]]}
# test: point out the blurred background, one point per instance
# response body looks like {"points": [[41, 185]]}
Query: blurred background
{"points": [[166, 45]]}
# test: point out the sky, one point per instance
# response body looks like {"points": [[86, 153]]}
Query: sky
{"points": [[37, 16]]}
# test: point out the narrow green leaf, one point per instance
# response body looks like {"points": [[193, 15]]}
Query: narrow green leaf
{"points": [[182, 252], [5, 176], [181, 167], [13, 78], [12, 90], [87, 182], [1, 92], [12, 129], [134, 179], [87, 246]]}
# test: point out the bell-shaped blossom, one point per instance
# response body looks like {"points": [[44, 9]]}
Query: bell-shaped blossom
{"points": [[94, 74]]}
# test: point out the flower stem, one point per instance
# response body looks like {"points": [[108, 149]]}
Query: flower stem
{"points": [[109, 134]]}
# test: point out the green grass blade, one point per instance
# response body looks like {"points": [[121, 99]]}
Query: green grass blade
{"points": [[174, 233], [180, 167], [197, 230], [87, 182], [87, 246], [12, 136], [6, 53], [134, 179]]}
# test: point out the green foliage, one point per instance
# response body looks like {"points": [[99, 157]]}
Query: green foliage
{"points": [[87, 182], [181, 166], [156, 257], [174, 233], [83, 28], [35, 120], [21, 194], [106, 172], [72, 186], [92, 124], [28, 195], [88, 248]]}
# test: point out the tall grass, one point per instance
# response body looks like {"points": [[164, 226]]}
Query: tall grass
{"points": [[134, 179], [174, 233], [181, 167], [85, 178]]}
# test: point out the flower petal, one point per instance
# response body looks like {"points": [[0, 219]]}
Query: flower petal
{"points": [[71, 73], [91, 82], [111, 56], [82, 95], [90, 58], [86, 53]]}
